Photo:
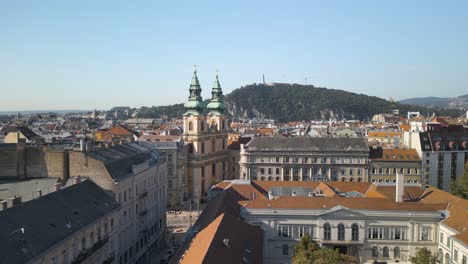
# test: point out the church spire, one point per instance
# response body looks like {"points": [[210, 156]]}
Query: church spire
{"points": [[216, 105], [195, 101]]}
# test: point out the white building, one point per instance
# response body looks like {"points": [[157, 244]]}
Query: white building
{"points": [[371, 221]]}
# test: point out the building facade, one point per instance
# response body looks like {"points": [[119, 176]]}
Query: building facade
{"points": [[443, 150], [386, 163], [304, 159], [206, 138], [136, 173], [177, 190]]}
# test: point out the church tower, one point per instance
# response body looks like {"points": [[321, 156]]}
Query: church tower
{"points": [[206, 137]]}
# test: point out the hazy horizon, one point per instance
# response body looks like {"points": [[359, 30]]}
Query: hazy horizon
{"points": [[99, 54]]}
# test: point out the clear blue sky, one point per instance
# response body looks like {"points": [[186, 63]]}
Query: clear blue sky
{"points": [[98, 54]]}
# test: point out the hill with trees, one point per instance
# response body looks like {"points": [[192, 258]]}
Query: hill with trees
{"points": [[291, 102]]}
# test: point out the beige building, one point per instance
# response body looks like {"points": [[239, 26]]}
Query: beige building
{"points": [[77, 224], [177, 189], [136, 173], [386, 163], [206, 138], [234, 157]]}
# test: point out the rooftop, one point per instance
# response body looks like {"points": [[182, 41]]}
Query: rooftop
{"points": [[308, 144], [31, 228]]}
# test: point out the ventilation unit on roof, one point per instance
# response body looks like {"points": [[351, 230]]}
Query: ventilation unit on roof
{"points": [[226, 242]]}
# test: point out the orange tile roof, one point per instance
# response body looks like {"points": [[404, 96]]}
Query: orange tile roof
{"points": [[396, 155], [359, 203], [405, 127], [385, 134]]}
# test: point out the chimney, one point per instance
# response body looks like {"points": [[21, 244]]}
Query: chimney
{"points": [[4, 204], [39, 192], [400, 181], [82, 145], [16, 200], [226, 242], [77, 179], [58, 186]]}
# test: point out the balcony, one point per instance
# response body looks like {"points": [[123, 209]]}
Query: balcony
{"points": [[89, 252]]}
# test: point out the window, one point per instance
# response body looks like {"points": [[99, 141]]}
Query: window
{"points": [[464, 261], [396, 253], [455, 255], [285, 250], [355, 232], [203, 147], [385, 252], [441, 237], [202, 125], [277, 159], [213, 169], [190, 126], [448, 241], [341, 232], [262, 171], [425, 233], [447, 258], [375, 252], [213, 146], [326, 232], [83, 243], [286, 159], [277, 171], [270, 171]]}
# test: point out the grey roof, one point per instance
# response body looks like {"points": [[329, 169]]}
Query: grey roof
{"points": [[308, 144], [288, 191], [24, 188], [119, 159], [49, 220]]}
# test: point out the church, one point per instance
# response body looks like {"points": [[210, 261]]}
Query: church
{"points": [[206, 134]]}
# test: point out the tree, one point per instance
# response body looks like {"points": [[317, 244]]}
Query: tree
{"points": [[424, 256], [459, 187], [307, 251]]}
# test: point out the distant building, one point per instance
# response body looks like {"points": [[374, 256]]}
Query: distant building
{"points": [[206, 137], [385, 164], [14, 134], [177, 189], [234, 157], [385, 139], [304, 159], [77, 224], [443, 150]]}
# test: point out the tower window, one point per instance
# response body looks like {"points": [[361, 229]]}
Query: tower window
{"points": [[202, 126], [190, 126], [203, 147]]}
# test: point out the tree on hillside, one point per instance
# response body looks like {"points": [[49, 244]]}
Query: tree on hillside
{"points": [[307, 251], [424, 256], [459, 187]]}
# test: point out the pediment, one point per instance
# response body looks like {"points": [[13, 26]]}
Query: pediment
{"points": [[341, 212]]}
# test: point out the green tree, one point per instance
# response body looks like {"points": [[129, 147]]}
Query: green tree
{"points": [[424, 256], [459, 187], [307, 251]]}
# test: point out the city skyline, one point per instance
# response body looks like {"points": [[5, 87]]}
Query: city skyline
{"points": [[92, 55]]}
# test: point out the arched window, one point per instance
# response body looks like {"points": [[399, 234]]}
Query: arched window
{"points": [[269, 178], [262, 178], [447, 258], [396, 253], [202, 125], [190, 126], [359, 179], [355, 232], [385, 252], [441, 256], [341, 232], [351, 179], [326, 231], [278, 178], [343, 179], [375, 252], [223, 126]]}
